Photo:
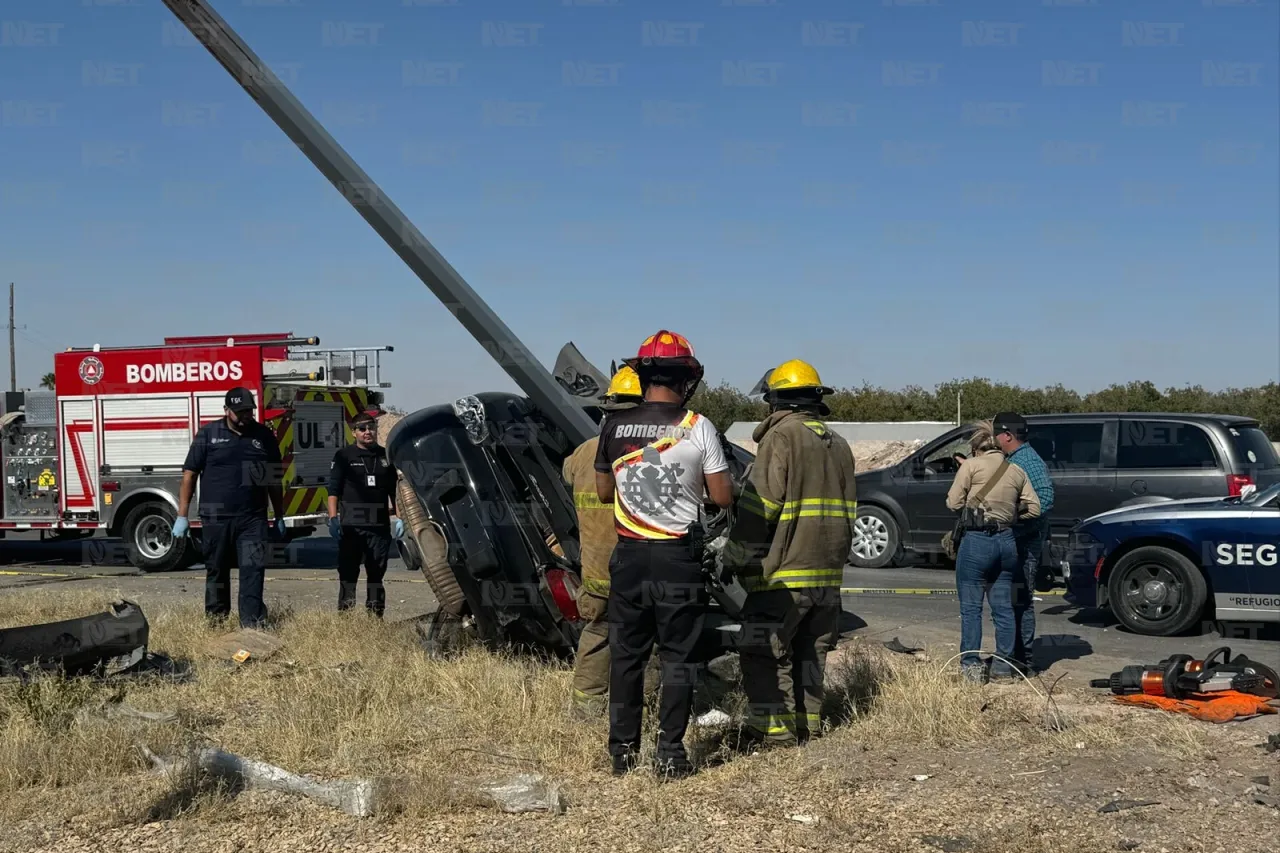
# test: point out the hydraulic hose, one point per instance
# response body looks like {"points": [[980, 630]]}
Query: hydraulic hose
{"points": [[434, 551]]}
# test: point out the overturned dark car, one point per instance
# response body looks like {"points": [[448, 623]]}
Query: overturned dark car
{"points": [[491, 523]]}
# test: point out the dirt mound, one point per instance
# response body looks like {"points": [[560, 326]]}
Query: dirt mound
{"points": [[867, 455], [385, 423]]}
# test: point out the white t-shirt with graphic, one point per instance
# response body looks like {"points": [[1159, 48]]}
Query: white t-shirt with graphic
{"points": [[659, 456]]}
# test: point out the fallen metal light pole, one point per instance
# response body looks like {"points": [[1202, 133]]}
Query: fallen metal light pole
{"points": [[387, 220]]}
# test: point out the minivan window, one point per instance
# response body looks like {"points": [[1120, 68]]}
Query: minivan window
{"points": [[1068, 445], [1253, 447], [1163, 444]]}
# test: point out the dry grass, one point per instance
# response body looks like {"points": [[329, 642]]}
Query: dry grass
{"points": [[349, 696]]}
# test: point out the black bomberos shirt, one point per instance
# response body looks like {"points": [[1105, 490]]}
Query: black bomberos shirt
{"points": [[363, 481], [235, 469]]}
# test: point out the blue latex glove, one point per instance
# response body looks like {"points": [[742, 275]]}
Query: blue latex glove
{"points": [[335, 527], [280, 527], [180, 527], [397, 529]]}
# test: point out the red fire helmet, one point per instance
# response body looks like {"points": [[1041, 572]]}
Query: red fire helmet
{"points": [[664, 349]]}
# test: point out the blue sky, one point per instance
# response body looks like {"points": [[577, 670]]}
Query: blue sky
{"points": [[902, 192]]}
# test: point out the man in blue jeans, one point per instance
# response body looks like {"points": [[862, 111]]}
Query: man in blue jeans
{"points": [[992, 495], [1029, 535]]}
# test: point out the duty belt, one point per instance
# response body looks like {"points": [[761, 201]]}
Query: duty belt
{"points": [[990, 528]]}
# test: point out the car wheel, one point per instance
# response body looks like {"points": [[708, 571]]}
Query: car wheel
{"points": [[148, 536], [876, 539], [1157, 591]]}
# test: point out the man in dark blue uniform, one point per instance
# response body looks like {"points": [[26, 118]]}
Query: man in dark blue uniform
{"points": [[237, 461], [364, 483]]}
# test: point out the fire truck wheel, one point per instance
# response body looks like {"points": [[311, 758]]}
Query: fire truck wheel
{"points": [[148, 535]]}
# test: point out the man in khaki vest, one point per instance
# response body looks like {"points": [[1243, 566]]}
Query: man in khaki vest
{"points": [[597, 537]]}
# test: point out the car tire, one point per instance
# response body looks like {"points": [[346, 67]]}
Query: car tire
{"points": [[876, 538], [144, 533], [1157, 591]]}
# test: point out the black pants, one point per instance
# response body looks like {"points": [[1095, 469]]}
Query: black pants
{"points": [[372, 545], [656, 594], [242, 542]]}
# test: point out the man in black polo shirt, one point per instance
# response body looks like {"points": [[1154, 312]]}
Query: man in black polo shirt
{"points": [[237, 461], [364, 483]]}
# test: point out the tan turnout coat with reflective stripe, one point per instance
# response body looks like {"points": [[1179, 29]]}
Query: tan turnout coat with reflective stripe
{"points": [[596, 532], [793, 523]]}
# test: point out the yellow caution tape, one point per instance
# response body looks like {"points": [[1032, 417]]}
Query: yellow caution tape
{"points": [[951, 593]]}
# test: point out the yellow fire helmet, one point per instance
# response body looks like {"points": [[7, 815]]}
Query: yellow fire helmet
{"points": [[625, 383], [796, 375]]}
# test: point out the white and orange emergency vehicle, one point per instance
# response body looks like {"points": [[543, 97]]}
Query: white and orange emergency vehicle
{"points": [[104, 449]]}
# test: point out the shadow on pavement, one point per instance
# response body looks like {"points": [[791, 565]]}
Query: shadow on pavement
{"points": [[1049, 649]]}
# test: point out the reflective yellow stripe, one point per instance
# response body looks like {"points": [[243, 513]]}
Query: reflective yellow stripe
{"points": [[818, 508], [817, 426], [782, 724], [756, 504], [595, 586], [588, 500], [794, 579]]}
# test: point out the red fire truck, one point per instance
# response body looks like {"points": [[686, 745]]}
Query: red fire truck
{"points": [[104, 450]]}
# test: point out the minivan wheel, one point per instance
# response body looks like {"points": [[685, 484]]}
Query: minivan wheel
{"points": [[876, 539], [1157, 591]]}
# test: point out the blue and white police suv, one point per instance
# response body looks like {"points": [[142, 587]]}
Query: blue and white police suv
{"points": [[1162, 567]]}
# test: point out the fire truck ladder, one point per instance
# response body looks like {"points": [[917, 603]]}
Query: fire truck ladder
{"points": [[356, 367], [383, 216]]}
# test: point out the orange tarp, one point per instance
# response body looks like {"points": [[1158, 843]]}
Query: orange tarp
{"points": [[1220, 707]]}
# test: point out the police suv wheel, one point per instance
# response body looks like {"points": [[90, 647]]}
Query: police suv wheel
{"points": [[148, 536], [1157, 591], [876, 539]]}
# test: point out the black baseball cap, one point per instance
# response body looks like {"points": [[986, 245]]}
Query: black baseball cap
{"points": [[363, 418], [239, 400], [1009, 422]]}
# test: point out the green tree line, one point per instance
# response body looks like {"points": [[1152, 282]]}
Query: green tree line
{"points": [[982, 398]]}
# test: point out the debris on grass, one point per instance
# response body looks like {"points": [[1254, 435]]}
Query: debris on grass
{"points": [[524, 792], [244, 646], [355, 797]]}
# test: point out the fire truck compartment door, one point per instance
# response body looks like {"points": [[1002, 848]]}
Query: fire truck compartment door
{"points": [[319, 430], [152, 431]]}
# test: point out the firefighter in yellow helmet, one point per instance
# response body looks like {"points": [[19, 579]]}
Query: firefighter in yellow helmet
{"points": [[788, 544], [597, 538]]}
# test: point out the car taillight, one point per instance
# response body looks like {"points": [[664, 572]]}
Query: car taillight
{"points": [[1097, 569], [1236, 484], [561, 584], [110, 486]]}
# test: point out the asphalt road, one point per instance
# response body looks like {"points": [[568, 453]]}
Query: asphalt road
{"points": [[916, 605]]}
